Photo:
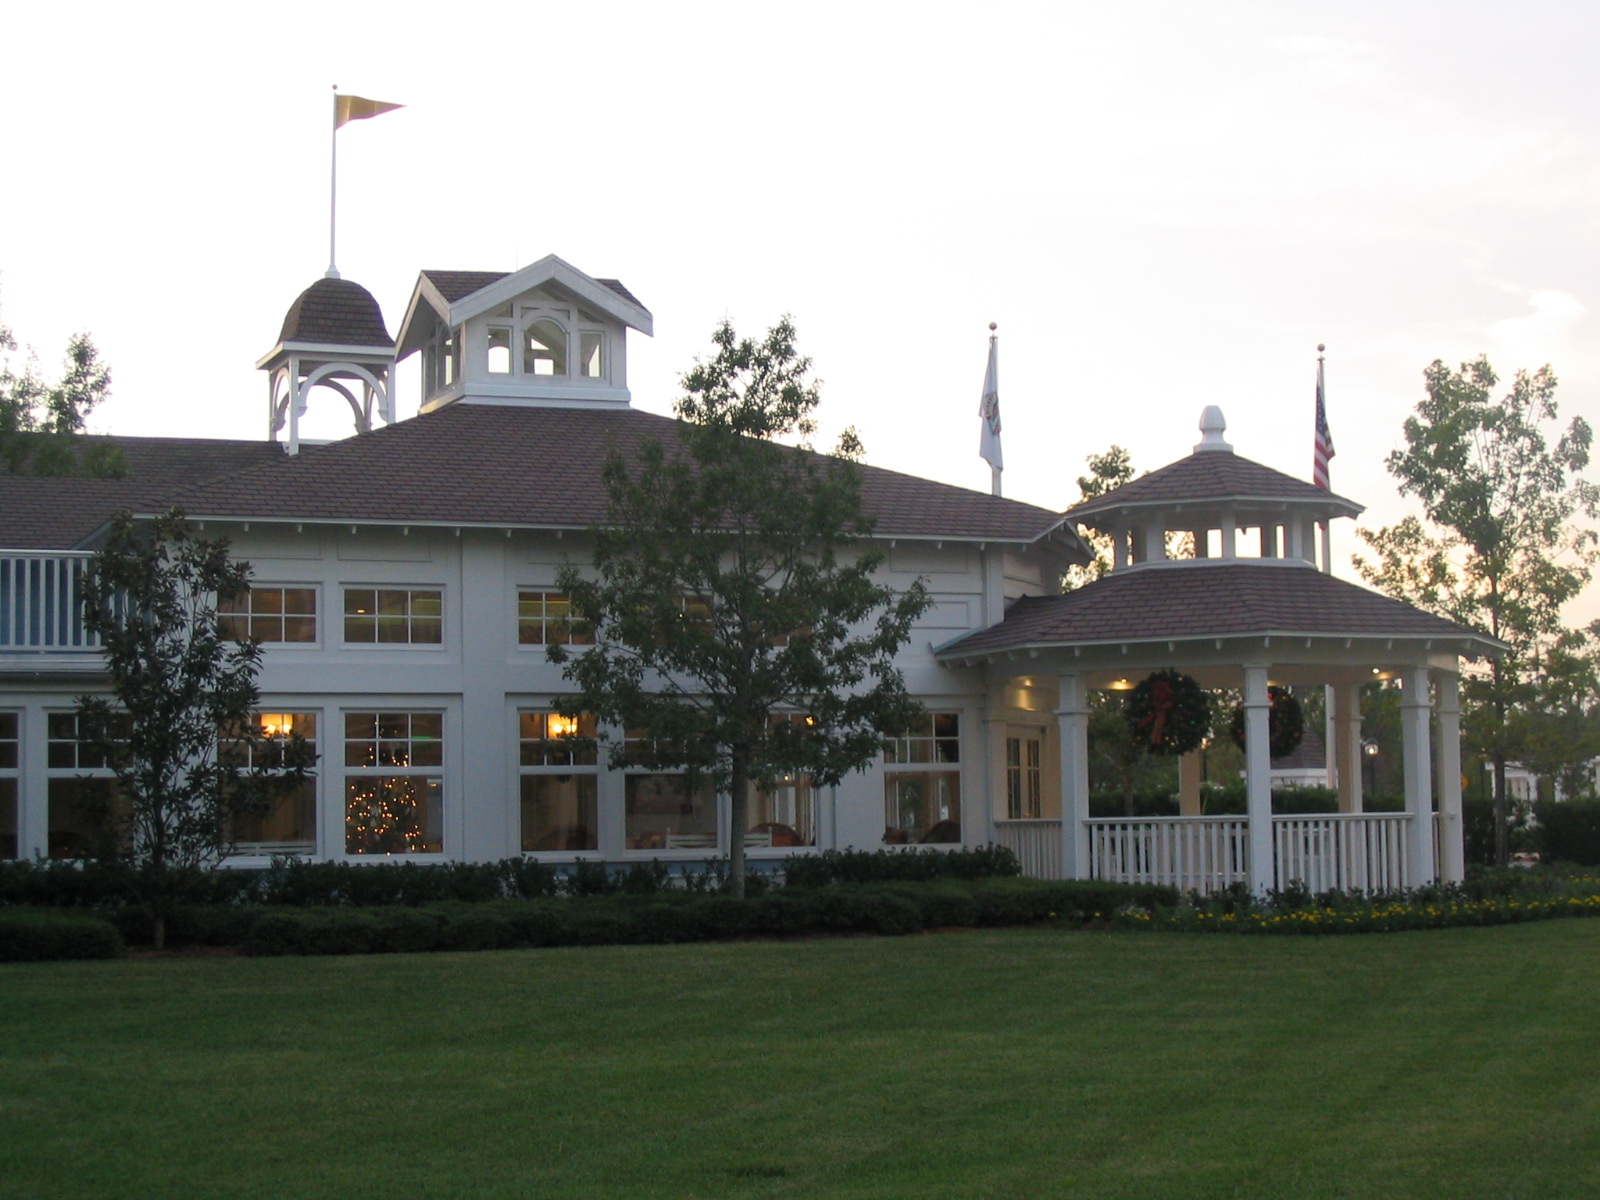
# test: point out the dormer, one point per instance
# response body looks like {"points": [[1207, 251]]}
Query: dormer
{"points": [[547, 334], [1222, 507]]}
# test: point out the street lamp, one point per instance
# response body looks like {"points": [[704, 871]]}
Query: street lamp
{"points": [[1369, 755]]}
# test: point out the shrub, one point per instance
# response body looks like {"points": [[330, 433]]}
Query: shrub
{"points": [[44, 937], [1568, 831], [897, 866]]}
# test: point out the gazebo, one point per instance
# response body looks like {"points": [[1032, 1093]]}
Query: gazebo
{"points": [[1216, 576]]}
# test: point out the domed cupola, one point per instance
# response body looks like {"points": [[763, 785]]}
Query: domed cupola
{"points": [[1214, 500], [333, 337]]}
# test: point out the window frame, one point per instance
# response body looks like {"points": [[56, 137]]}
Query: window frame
{"points": [[934, 758], [434, 773], [313, 781], [544, 620], [581, 763], [11, 780], [376, 616], [283, 616]]}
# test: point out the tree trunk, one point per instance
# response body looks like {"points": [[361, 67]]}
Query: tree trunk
{"points": [[1502, 815], [158, 931], [738, 818]]}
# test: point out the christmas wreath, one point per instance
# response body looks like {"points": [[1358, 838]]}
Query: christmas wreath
{"points": [[1167, 713], [1286, 725]]}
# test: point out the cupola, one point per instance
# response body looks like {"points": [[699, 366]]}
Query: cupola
{"points": [[1214, 506], [333, 337], [545, 335]]}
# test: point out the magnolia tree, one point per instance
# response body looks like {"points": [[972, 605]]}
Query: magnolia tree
{"points": [[736, 617]]}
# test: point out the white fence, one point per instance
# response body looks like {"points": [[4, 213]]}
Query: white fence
{"points": [[40, 608], [1348, 851]]}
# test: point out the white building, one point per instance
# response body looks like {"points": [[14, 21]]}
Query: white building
{"points": [[404, 587]]}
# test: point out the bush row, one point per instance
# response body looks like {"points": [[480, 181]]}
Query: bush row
{"points": [[1228, 800], [29, 936], [898, 866]]}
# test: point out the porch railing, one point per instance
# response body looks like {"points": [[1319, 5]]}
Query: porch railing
{"points": [[1037, 845], [1202, 854], [1363, 852], [40, 609]]}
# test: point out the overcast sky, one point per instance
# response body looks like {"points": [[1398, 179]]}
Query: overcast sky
{"points": [[1162, 205]]}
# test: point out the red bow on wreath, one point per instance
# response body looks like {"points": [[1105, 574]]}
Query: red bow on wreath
{"points": [[1162, 701]]}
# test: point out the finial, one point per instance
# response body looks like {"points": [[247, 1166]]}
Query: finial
{"points": [[1320, 347], [993, 327], [1212, 426]]}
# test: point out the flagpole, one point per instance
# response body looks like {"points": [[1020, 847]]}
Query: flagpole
{"points": [[333, 186], [1327, 546]]}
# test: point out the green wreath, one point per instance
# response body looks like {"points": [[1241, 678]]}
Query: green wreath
{"points": [[1286, 724], [1168, 713]]}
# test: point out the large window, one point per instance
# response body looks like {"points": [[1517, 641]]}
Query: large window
{"points": [[786, 815], [662, 811], [288, 825], [1024, 775], [922, 782], [86, 812], [394, 616], [543, 619], [10, 759], [394, 782], [270, 614], [558, 775]]}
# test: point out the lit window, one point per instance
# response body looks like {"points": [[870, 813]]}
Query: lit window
{"points": [[543, 619], [662, 811], [288, 825], [544, 349], [787, 814], [590, 342], [394, 791], [1024, 778], [394, 616], [270, 614], [921, 795], [558, 777]]}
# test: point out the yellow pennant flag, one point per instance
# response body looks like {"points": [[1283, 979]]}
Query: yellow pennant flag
{"points": [[358, 108]]}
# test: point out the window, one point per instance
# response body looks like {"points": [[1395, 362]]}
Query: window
{"points": [[270, 614], [394, 616], [786, 815], [590, 342], [922, 783], [558, 765], [289, 824], [544, 349], [542, 620], [85, 811], [10, 758], [394, 784], [499, 351], [1024, 778], [661, 811]]}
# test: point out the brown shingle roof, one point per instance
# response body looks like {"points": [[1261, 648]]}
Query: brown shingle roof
{"points": [[529, 466], [1213, 475], [336, 312], [458, 285], [57, 513], [1213, 600]]}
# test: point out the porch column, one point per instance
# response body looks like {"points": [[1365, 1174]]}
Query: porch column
{"points": [[1347, 744], [1189, 784], [1258, 778], [1416, 707], [1072, 719], [1452, 865]]}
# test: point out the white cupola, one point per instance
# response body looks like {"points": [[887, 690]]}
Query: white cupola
{"points": [[545, 335]]}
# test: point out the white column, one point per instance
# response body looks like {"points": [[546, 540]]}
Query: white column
{"points": [[1119, 551], [1347, 745], [1230, 532], [1258, 778], [1415, 708], [994, 768], [1072, 717], [1189, 784], [1452, 864]]}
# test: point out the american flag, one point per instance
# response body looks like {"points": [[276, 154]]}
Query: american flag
{"points": [[1322, 446]]}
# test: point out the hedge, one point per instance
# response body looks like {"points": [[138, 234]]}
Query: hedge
{"points": [[32, 936]]}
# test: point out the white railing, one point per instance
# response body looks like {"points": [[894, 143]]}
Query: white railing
{"points": [[1202, 854], [1037, 845], [1353, 852], [40, 606]]}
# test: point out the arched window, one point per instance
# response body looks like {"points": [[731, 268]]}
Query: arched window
{"points": [[544, 349]]}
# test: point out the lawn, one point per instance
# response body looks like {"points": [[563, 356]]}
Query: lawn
{"points": [[1033, 1063]]}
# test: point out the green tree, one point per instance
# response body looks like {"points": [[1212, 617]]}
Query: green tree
{"points": [[178, 728], [40, 419], [735, 612], [1501, 551], [1106, 471]]}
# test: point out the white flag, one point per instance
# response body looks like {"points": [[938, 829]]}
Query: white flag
{"points": [[989, 409]]}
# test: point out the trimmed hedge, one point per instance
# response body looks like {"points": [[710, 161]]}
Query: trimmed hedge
{"points": [[897, 866], [31, 936], [1568, 831]]}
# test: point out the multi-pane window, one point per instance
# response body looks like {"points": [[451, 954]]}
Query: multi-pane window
{"points": [[785, 815], [662, 811], [10, 758], [394, 782], [922, 781], [544, 619], [288, 822], [1024, 778], [270, 614], [86, 813], [558, 768], [394, 616]]}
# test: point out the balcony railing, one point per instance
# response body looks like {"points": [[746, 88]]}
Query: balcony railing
{"points": [[40, 609]]}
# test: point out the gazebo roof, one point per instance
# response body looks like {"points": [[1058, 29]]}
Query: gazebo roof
{"points": [[1209, 600], [1211, 478]]}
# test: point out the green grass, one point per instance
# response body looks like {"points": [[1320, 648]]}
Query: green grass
{"points": [[1030, 1063]]}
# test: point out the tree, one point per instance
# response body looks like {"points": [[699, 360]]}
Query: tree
{"points": [[1106, 471], [735, 612], [39, 420], [1501, 552], [178, 730]]}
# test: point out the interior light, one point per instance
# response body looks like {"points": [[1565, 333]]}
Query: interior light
{"points": [[561, 726]]}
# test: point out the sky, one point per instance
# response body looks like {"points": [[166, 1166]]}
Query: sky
{"points": [[1161, 205]]}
